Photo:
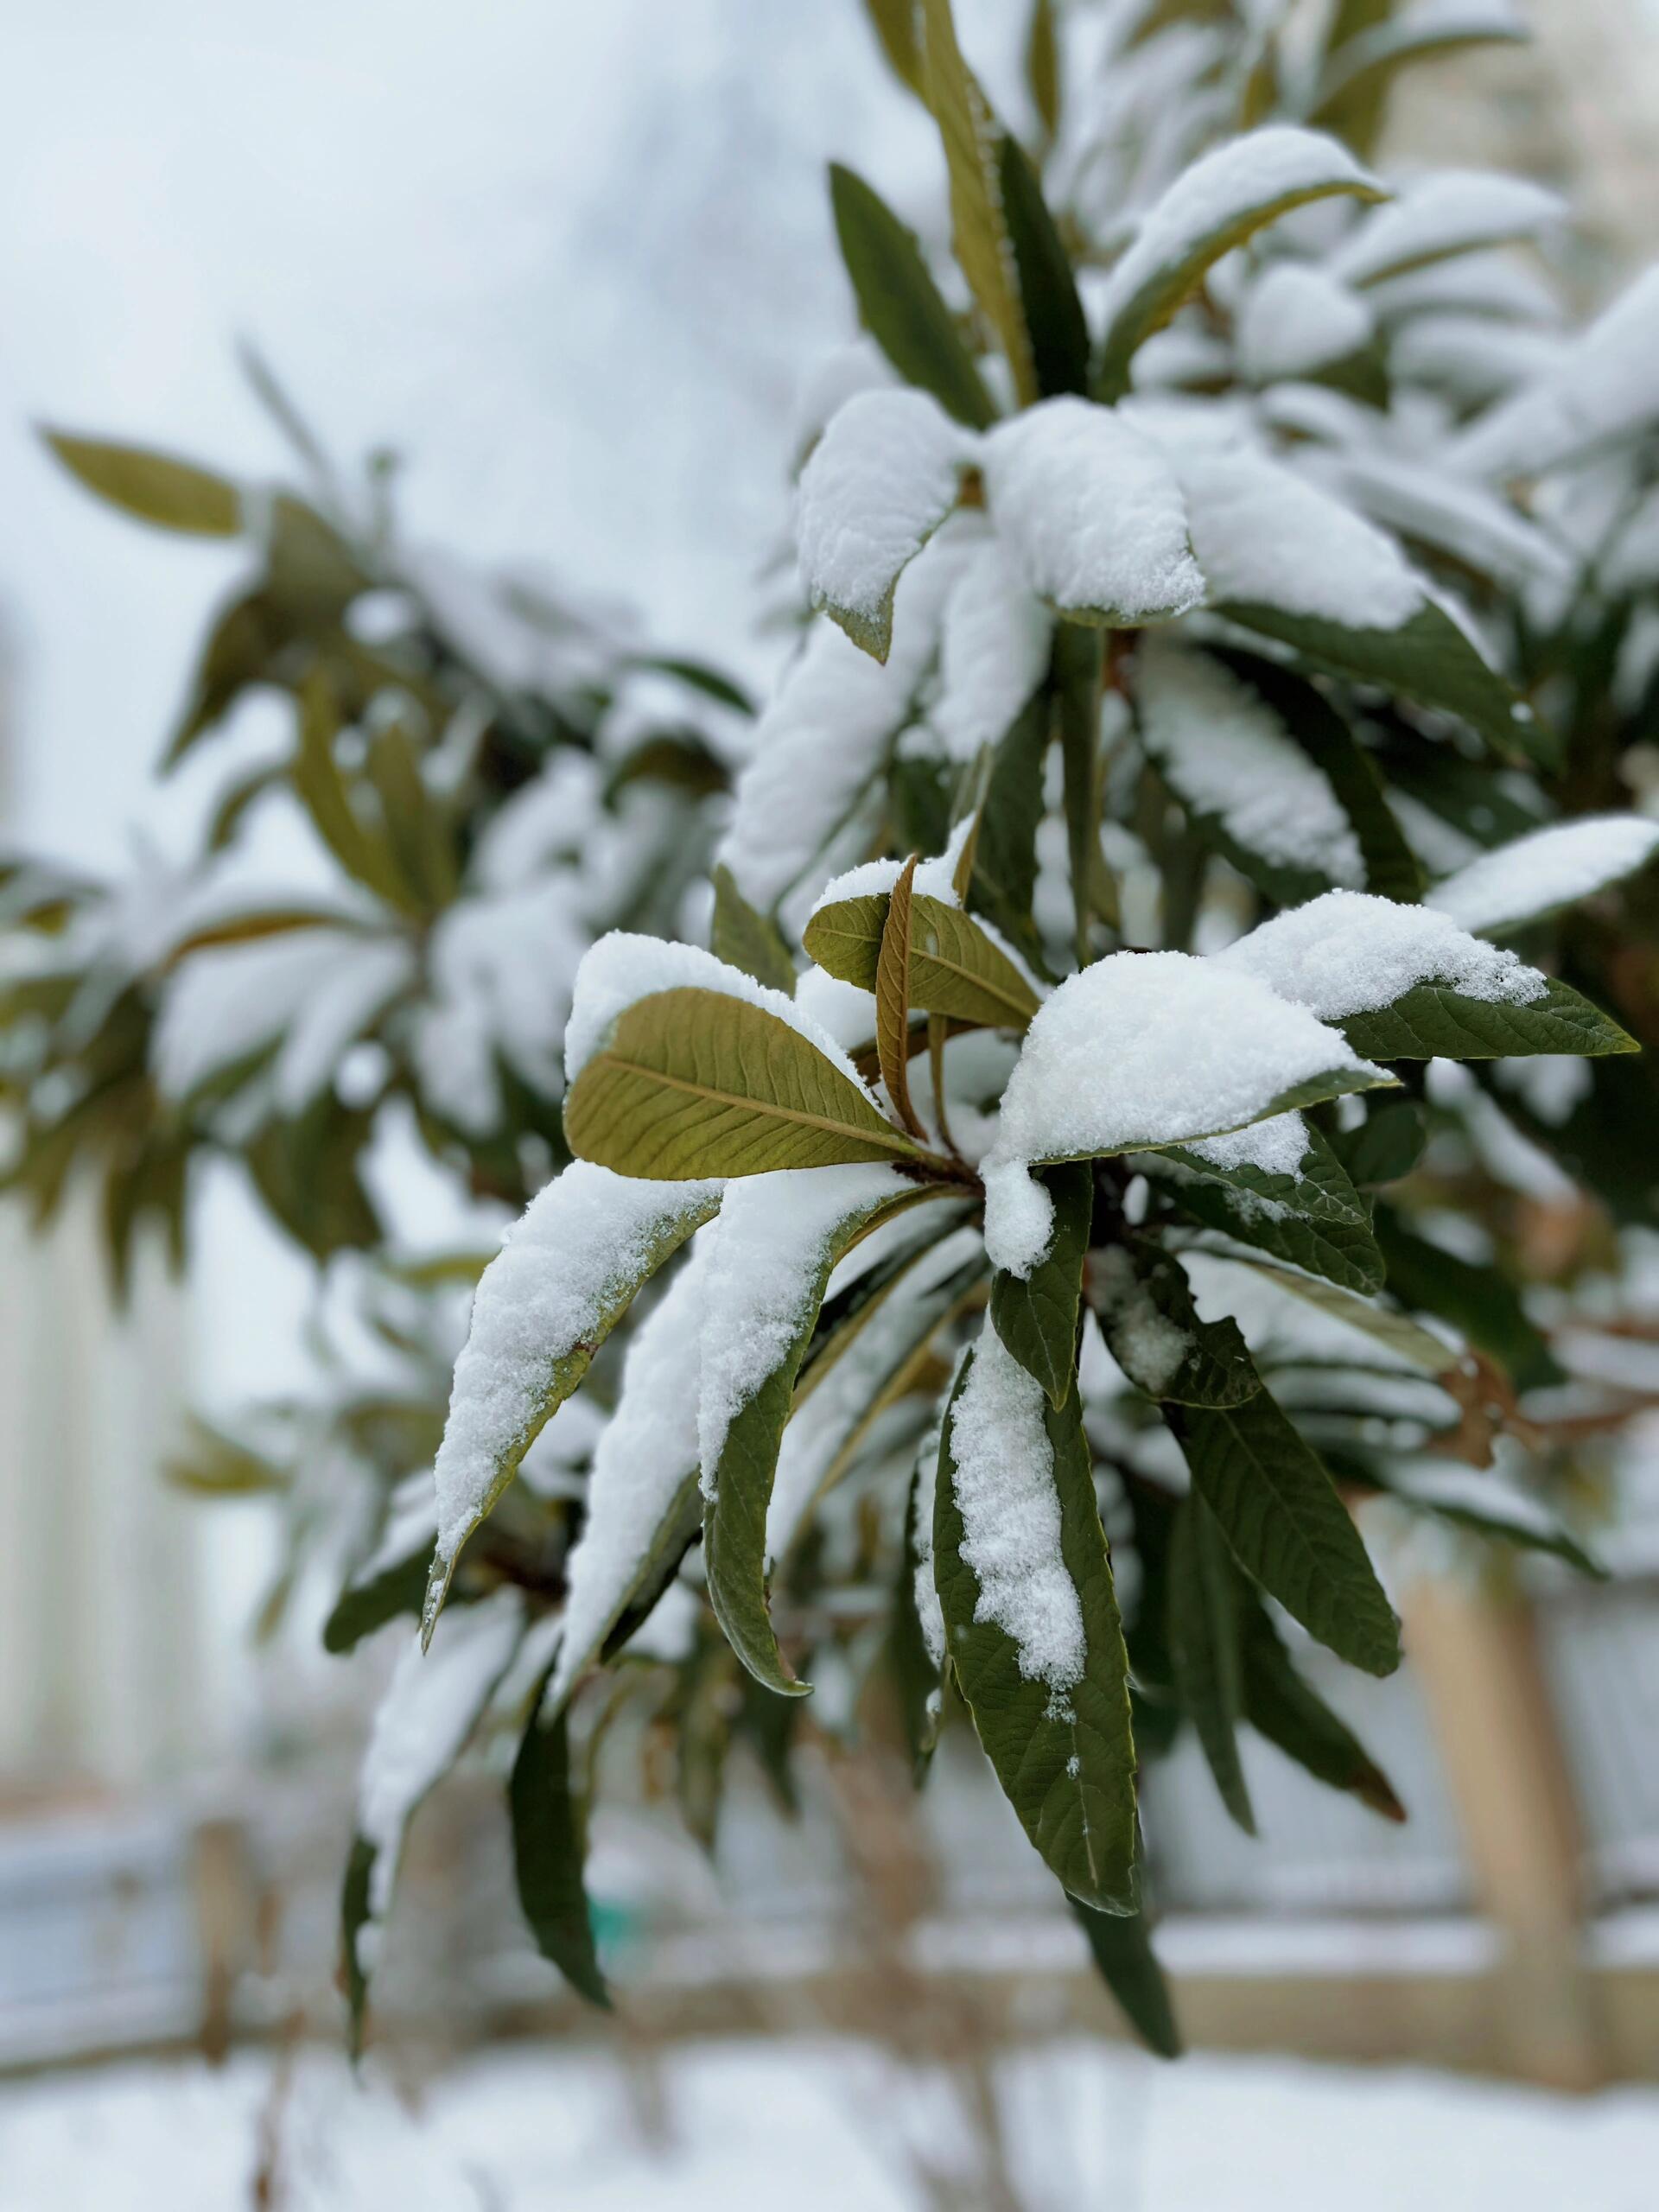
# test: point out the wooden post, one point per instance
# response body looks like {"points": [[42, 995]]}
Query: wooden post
{"points": [[1477, 1656]]}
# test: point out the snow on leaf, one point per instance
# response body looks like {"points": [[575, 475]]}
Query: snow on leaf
{"points": [[1229, 758], [428, 1710], [1551, 868], [1600, 390], [880, 481], [1143, 1050], [642, 1483], [993, 650], [316, 990], [1449, 514], [1295, 320], [1092, 514], [1452, 211], [566, 1274], [1224, 198]]}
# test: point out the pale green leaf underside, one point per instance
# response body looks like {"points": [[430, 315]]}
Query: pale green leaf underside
{"points": [[155, 487], [954, 968]]}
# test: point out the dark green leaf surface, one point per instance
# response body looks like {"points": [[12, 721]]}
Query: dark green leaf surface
{"points": [[1048, 293], [1203, 1636], [1036, 1316], [1121, 1948], [899, 302], [1433, 1020], [748, 940], [1281, 1706], [548, 1853]]}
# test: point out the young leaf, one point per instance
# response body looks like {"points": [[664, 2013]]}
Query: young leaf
{"points": [[1036, 1315], [747, 939], [1281, 1706], [1203, 1636], [893, 998], [1122, 1949], [1048, 292], [548, 1851], [696, 1083], [1031, 1623], [977, 228], [1287, 1526], [155, 487], [1221, 201], [955, 967], [564, 1280], [777, 1243], [899, 302]]}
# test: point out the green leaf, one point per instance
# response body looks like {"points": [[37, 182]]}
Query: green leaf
{"points": [[978, 233], [515, 1379], [155, 487], [1065, 1760], [1479, 1302], [1392, 870], [1396, 1331], [735, 1516], [1427, 658], [1386, 1145], [893, 998], [955, 967], [1281, 1706], [1314, 1219], [363, 1607], [1288, 1528], [1361, 70], [1204, 1648], [1036, 1316], [1432, 1020], [745, 940], [1139, 308], [1471, 1500], [1122, 1947], [322, 788], [696, 1082], [1144, 1304], [1048, 292], [1005, 852], [548, 1851], [899, 302], [894, 24], [1043, 72], [916, 1679]]}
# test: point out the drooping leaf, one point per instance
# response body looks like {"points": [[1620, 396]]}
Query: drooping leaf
{"points": [[1048, 291], [1121, 1948], [1036, 1315], [747, 939], [899, 302], [1203, 1646], [371, 1600], [1282, 1707], [1386, 1145], [563, 1280], [155, 487], [1220, 201], [549, 1848], [978, 230], [1472, 1499], [696, 1083], [360, 850], [1286, 1525], [1018, 1541], [1144, 1304]]}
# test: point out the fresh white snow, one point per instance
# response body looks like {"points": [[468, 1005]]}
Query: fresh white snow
{"points": [[993, 650], [1225, 753], [1601, 389], [1549, 868], [1002, 1479], [578, 1249], [1295, 318], [1147, 1344], [1349, 953], [929, 1612], [1448, 212], [1091, 512], [881, 479]]}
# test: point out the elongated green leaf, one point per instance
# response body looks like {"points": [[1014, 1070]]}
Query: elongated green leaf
{"points": [[1121, 1948], [543, 1306], [365, 1605], [1043, 67], [1005, 852], [955, 967], [1472, 1499], [748, 940], [740, 1461], [1314, 1219], [1204, 1648], [1144, 1304], [1059, 1742], [1427, 658], [915, 1652], [978, 231], [1386, 1145], [1361, 70], [548, 1851], [1048, 292], [893, 998], [1286, 1527], [894, 24], [316, 778], [1396, 1331], [1215, 206], [155, 487], [899, 302], [1479, 1302], [1321, 1186], [696, 1083], [1282, 1707], [1433, 1021], [1036, 1316]]}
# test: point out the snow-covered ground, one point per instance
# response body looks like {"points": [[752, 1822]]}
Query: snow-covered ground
{"points": [[730, 2126]]}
